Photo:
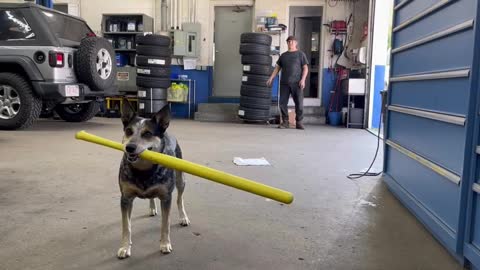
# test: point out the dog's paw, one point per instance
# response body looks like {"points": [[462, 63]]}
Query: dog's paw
{"points": [[166, 248], [153, 212], [124, 252], [185, 221]]}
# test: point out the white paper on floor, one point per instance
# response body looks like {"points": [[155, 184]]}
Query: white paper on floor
{"points": [[363, 202], [250, 161]]}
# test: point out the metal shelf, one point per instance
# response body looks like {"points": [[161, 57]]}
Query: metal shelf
{"points": [[122, 33]]}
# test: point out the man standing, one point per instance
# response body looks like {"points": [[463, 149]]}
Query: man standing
{"points": [[294, 67]]}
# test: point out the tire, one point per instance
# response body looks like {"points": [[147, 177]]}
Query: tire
{"points": [[253, 114], [257, 80], [152, 82], [148, 107], [257, 59], [154, 50], [79, 112], [86, 60], [257, 38], [161, 72], [251, 48], [153, 61], [258, 69], [154, 40], [255, 103], [29, 108], [255, 91], [152, 93]]}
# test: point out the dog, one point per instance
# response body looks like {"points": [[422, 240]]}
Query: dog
{"points": [[145, 180]]}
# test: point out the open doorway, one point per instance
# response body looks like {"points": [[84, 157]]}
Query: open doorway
{"points": [[306, 26]]}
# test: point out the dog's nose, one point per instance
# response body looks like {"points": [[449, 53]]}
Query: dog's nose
{"points": [[130, 148]]}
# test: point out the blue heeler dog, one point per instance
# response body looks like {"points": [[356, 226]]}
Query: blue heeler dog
{"points": [[143, 179]]}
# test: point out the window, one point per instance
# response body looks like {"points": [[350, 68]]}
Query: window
{"points": [[13, 26], [67, 28]]}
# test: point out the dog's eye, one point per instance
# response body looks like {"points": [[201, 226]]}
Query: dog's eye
{"points": [[147, 134], [128, 132]]}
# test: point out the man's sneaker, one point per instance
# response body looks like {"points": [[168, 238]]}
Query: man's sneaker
{"points": [[284, 125], [300, 125]]}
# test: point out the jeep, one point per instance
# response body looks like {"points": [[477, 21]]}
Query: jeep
{"points": [[50, 61]]}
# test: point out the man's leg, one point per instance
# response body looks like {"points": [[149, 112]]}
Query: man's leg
{"points": [[297, 95], [284, 96]]}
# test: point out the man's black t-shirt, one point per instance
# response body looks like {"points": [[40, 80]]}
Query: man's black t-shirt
{"points": [[292, 66]]}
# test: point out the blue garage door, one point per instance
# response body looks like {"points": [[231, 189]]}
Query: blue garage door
{"points": [[429, 127]]}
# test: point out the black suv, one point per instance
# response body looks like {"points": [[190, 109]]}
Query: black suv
{"points": [[50, 61]]}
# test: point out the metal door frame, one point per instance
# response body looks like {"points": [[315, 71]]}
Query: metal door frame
{"points": [[317, 102]]}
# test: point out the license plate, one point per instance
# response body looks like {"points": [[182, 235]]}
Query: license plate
{"points": [[72, 91]]}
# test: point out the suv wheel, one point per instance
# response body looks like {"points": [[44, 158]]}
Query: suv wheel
{"points": [[95, 63], [19, 107], [78, 112]]}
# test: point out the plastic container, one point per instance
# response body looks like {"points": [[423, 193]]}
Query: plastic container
{"points": [[121, 59], [335, 118]]}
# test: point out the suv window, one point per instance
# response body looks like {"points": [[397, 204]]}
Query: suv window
{"points": [[13, 26], [67, 28]]}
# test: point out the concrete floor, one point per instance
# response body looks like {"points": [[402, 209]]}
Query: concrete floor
{"points": [[59, 204]]}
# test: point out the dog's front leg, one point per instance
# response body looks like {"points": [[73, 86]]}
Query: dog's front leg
{"points": [[126, 205], [165, 245]]}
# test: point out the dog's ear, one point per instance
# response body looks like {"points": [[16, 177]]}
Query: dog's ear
{"points": [[128, 112], [162, 119]]}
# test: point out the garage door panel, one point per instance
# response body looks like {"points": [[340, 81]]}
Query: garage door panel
{"points": [[436, 193], [446, 17], [447, 95], [439, 142], [412, 8], [452, 52]]}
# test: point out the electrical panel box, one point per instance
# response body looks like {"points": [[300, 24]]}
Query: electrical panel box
{"points": [[186, 42]]}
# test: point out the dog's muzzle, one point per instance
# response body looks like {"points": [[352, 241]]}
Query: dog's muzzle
{"points": [[131, 152], [132, 158]]}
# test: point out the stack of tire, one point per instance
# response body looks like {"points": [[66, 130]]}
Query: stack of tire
{"points": [[153, 60], [255, 96]]}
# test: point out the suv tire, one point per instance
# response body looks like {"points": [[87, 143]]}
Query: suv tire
{"points": [[95, 63], [155, 40], [28, 108], [161, 72], [79, 112], [252, 48], [154, 50], [257, 38], [257, 59], [153, 82]]}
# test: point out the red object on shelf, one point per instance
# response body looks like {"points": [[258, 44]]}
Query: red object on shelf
{"points": [[338, 26]]}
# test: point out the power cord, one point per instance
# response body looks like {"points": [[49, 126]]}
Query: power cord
{"points": [[367, 173]]}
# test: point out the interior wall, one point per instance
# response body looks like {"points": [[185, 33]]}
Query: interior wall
{"points": [[92, 10]]}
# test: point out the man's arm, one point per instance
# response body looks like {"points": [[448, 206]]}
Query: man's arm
{"points": [[274, 74], [304, 76]]}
